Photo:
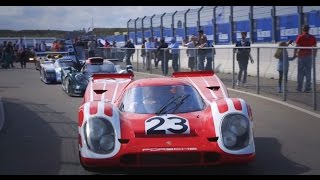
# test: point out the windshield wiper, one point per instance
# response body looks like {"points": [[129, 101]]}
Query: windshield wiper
{"points": [[173, 99], [180, 102], [162, 108]]}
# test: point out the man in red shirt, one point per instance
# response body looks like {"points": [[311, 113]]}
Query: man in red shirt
{"points": [[305, 57]]}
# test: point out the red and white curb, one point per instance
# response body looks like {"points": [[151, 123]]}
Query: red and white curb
{"points": [[1, 114]]}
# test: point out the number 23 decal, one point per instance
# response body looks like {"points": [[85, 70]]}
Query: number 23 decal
{"points": [[167, 125]]}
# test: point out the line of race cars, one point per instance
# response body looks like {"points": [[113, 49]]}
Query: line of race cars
{"points": [[73, 74], [187, 119]]}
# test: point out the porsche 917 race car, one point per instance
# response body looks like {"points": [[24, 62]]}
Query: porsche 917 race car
{"points": [[74, 82], [184, 120]]}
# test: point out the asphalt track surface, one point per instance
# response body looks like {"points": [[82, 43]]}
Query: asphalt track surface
{"points": [[39, 135]]}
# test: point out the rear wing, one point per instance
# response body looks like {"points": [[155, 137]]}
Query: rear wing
{"points": [[112, 76], [193, 74]]}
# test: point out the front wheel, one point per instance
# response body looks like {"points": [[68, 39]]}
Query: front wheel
{"points": [[86, 167]]}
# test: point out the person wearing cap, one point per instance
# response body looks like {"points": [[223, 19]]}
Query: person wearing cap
{"points": [[243, 56], [175, 51], [305, 57], [202, 52]]}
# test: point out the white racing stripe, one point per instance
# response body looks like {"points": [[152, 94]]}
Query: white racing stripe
{"points": [[2, 117], [104, 88], [212, 93], [115, 93], [91, 91], [194, 85]]}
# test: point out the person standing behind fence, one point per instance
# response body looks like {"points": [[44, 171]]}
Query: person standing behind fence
{"points": [[283, 63], [156, 58], [192, 52], [305, 57], [91, 48], [175, 51], [202, 52], [163, 55], [24, 58], [210, 57], [43, 46], [149, 46], [114, 50], [143, 53], [243, 56], [130, 50]]}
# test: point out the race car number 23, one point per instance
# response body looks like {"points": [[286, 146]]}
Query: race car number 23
{"points": [[167, 125]]}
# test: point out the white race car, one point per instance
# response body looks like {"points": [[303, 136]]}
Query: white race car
{"points": [[50, 70]]}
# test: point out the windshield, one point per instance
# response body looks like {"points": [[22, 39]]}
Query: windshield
{"points": [[65, 63], [162, 100], [103, 68]]}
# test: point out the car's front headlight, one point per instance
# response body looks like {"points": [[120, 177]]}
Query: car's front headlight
{"points": [[100, 136], [235, 131], [80, 78]]}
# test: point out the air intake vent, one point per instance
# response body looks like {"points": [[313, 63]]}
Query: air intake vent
{"points": [[214, 88], [99, 91]]}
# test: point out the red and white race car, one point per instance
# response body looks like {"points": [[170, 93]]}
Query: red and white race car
{"points": [[184, 120]]}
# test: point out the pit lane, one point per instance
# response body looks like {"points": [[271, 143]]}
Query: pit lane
{"points": [[39, 135]]}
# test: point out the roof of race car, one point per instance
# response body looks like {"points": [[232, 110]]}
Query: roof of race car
{"points": [[158, 82], [97, 60], [66, 58]]}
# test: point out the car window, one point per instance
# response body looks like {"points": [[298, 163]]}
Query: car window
{"points": [[150, 99], [102, 68], [65, 63]]}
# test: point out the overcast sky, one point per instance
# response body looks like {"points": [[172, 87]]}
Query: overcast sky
{"points": [[76, 17]]}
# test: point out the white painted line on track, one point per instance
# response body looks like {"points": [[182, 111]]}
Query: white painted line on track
{"points": [[258, 96], [2, 117]]}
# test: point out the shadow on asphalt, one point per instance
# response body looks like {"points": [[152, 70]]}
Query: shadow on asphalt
{"points": [[269, 160], [33, 138]]}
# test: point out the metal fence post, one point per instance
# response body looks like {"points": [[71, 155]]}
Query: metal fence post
{"points": [[185, 24], [138, 60], [233, 62], [135, 31], [142, 29], [161, 25], [314, 80], [212, 51], [258, 70], [284, 78]]}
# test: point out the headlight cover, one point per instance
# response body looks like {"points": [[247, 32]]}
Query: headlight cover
{"points": [[81, 79], [235, 131], [100, 135]]}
